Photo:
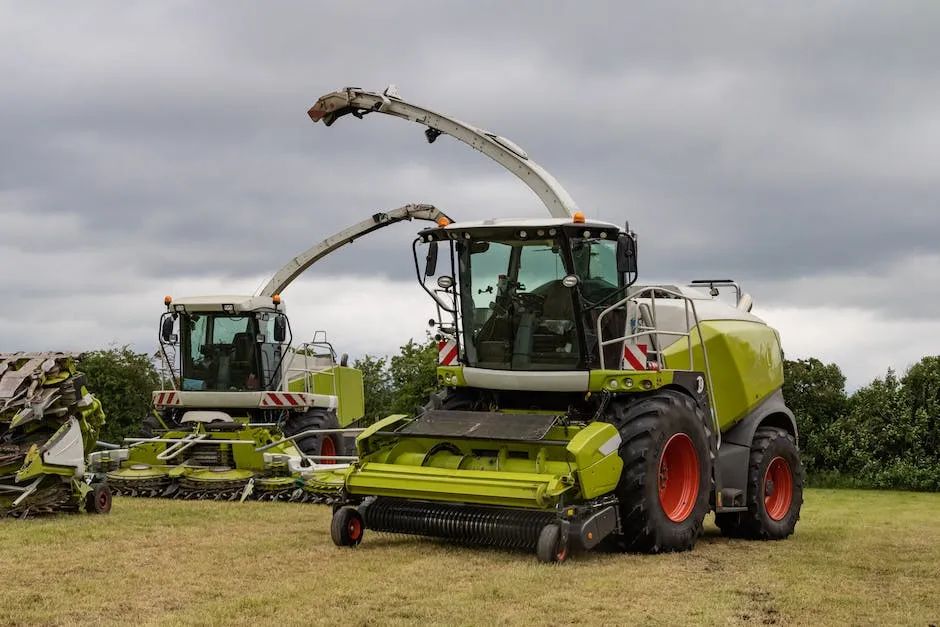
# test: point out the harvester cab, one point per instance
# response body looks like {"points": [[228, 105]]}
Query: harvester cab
{"points": [[246, 412], [576, 407], [529, 292]]}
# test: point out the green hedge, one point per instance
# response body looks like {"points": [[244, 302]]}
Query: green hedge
{"points": [[884, 435]]}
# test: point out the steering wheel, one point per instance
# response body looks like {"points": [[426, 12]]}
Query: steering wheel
{"points": [[530, 302], [212, 351]]}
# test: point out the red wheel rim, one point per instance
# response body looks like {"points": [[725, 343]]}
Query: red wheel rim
{"points": [[104, 500], [327, 448], [354, 528], [678, 478], [778, 488]]}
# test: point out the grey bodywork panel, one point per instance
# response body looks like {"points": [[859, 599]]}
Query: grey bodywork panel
{"points": [[735, 452], [480, 425], [743, 432]]}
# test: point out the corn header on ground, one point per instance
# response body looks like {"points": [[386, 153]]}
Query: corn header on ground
{"points": [[49, 422]]}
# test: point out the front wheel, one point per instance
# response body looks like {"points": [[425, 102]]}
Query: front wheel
{"points": [[667, 472], [347, 527], [551, 547]]}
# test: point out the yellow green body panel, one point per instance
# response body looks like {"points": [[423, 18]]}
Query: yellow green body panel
{"points": [[745, 364], [237, 448], [573, 462], [341, 381], [745, 361]]}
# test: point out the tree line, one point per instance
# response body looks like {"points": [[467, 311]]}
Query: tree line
{"points": [[883, 435]]}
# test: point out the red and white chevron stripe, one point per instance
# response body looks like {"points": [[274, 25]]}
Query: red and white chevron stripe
{"points": [[165, 398], [446, 351], [283, 399], [634, 358]]}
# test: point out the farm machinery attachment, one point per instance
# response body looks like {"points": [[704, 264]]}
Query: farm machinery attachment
{"points": [[247, 414], [49, 422], [577, 407]]}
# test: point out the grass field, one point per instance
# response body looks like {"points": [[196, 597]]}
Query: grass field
{"points": [[857, 557]]}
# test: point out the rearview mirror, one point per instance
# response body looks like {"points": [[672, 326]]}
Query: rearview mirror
{"points": [[430, 266], [166, 329], [626, 254], [280, 329]]}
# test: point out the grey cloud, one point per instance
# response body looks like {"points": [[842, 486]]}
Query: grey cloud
{"points": [[783, 145]]}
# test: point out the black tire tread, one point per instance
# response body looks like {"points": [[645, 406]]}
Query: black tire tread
{"points": [[638, 422], [750, 524], [339, 526], [548, 544], [314, 419]]}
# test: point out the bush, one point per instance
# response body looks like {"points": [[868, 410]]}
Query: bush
{"points": [[885, 435], [399, 385], [123, 381]]}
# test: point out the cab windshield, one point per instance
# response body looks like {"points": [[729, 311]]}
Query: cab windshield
{"points": [[517, 314], [226, 352], [595, 263]]}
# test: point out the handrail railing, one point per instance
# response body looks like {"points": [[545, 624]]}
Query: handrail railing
{"points": [[651, 329], [305, 350]]}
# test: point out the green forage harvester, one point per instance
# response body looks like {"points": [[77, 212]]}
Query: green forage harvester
{"points": [[49, 422]]}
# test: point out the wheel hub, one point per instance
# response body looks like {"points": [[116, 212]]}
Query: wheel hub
{"points": [[778, 488], [678, 477], [327, 449]]}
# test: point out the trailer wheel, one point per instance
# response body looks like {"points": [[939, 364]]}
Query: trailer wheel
{"points": [[347, 527], [327, 444], [666, 482], [774, 490], [551, 547], [98, 501]]}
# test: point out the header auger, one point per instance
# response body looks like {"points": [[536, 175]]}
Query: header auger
{"points": [[577, 407]]}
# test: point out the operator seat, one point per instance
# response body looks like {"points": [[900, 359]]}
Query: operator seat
{"points": [[243, 361], [555, 333]]}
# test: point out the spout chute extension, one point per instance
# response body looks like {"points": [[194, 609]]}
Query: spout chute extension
{"points": [[359, 102]]}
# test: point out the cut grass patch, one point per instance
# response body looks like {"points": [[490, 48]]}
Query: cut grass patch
{"points": [[857, 557]]}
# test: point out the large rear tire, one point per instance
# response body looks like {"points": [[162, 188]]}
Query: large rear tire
{"points": [[320, 443], [774, 489], [666, 482]]}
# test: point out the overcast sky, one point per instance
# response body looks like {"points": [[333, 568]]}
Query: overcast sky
{"points": [[163, 148]]}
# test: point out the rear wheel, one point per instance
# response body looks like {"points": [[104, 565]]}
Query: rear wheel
{"points": [[326, 444], [667, 472], [347, 527], [774, 490]]}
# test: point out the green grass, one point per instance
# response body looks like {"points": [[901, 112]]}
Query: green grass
{"points": [[857, 557]]}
